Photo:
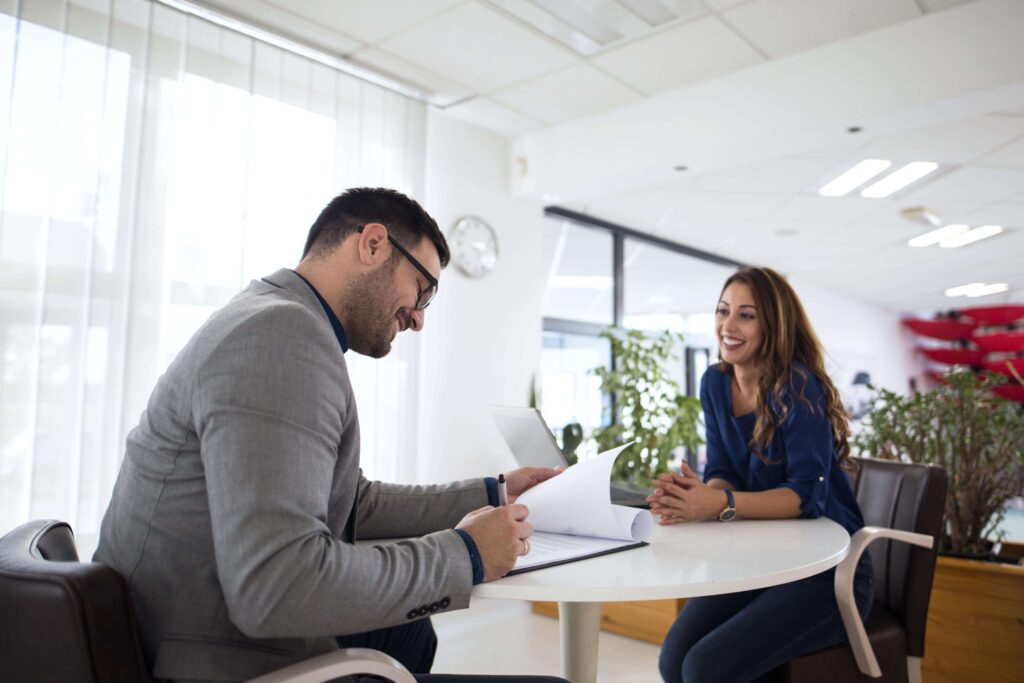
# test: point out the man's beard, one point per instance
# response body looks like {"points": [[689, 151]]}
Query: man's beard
{"points": [[370, 320]]}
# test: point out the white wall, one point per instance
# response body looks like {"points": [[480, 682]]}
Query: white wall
{"points": [[481, 342], [860, 336]]}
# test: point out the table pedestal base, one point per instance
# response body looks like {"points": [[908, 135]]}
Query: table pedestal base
{"points": [[580, 624]]}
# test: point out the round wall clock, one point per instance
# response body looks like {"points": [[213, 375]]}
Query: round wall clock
{"points": [[474, 246]]}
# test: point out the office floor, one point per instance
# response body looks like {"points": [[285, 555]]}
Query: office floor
{"points": [[504, 636]]}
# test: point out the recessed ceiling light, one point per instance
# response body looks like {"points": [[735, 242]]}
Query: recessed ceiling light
{"points": [[979, 233], [994, 288], [976, 289], [899, 179], [936, 236], [855, 177], [962, 290]]}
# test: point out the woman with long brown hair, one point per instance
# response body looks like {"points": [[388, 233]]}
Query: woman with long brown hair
{"points": [[777, 447]]}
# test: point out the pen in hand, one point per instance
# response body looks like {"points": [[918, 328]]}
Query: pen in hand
{"points": [[502, 490]]}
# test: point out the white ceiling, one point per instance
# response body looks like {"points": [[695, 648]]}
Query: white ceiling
{"points": [[754, 97]]}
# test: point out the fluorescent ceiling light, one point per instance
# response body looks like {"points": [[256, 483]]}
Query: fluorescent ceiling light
{"points": [[651, 11], [985, 290], [936, 236], [580, 19], [899, 179], [976, 289], [597, 282], [979, 233], [855, 177], [963, 290]]}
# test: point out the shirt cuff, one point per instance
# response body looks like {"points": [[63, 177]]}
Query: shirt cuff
{"points": [[474, 556], [492, 491]]}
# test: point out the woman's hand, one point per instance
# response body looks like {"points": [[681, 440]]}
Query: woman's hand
{"points": [[684, 498]]}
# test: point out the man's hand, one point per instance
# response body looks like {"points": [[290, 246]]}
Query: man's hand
{"points": [[500, 535], [684, 498], [525, 478]]}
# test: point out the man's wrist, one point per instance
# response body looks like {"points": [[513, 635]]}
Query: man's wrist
{"points": [[474, 556]]}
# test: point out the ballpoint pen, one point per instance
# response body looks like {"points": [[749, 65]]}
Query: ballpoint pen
{"points": [[502, 490]]}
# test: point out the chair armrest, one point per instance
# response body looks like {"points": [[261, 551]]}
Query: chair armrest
{"points": [[348, 662], [862, 651]]}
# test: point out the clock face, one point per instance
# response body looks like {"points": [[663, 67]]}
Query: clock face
{"points": [[474, 246]]}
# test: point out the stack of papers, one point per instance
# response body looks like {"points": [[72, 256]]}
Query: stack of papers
{"points": [[573, 517]]}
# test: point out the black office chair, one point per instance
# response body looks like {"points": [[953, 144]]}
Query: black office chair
{"points": [[900, 502], [65, 620]]}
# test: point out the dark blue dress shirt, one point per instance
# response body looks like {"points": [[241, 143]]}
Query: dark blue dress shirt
{"points": [[801, 454]]}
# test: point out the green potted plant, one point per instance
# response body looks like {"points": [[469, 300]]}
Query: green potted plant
{"points": [[649, 406], [962, 426]]}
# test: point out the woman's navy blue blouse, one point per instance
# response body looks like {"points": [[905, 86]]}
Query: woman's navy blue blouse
{"points": [[801, 454]]}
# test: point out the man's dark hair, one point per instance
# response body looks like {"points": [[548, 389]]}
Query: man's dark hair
{"points": [[404, 218]]}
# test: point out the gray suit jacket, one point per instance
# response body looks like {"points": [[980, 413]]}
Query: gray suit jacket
{"points": [[240, 494]]}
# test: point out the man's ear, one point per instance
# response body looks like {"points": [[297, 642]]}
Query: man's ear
{"points": [[372, 242]]}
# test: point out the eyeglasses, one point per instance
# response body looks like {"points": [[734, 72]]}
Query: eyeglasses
{"points": [[423, 296]]}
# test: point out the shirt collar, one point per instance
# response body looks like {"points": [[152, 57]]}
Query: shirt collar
{"points": [[339, 331]]}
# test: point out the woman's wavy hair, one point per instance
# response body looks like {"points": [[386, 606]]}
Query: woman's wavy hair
{"points": [[787, 338]]}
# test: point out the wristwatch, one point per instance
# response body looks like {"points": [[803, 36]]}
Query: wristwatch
{"points": [[730, 508]]}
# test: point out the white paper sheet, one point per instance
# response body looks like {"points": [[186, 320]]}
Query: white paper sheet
{"points": [[573, 516]]}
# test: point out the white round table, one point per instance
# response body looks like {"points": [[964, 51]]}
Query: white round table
{"points": [[682, 561]]}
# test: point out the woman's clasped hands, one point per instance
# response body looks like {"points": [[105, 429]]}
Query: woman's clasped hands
{"points": [[683, 497]]}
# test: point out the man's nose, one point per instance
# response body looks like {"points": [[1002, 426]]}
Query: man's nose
{"points": [[416, 320]]}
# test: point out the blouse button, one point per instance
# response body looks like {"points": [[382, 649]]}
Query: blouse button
{"points": [[820, 478]]}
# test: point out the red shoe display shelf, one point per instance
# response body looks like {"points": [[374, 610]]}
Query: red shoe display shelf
{"points": [[995, 315], [947, 330], [1000, 341], [1014, 392], [954, 356], [1003, 367]]}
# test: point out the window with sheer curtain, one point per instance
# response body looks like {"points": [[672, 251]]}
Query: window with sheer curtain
{"points": [[153, 164]]}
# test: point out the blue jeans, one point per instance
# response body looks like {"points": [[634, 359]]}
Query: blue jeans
{"points": [[742, 636]]}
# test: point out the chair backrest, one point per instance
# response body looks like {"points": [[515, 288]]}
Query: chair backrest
{"points": [[61, 619], [908, 497]]}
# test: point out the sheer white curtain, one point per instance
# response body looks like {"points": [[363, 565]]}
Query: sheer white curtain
{"points": [[153, 164]]}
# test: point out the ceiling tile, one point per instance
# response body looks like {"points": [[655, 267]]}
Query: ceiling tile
{"points": [[493, 116], [1007, 214], [368, 20], [835, 210], [719, 5], [975, 183], [476, 46], [283, 20], [958, 142], [784, 27], [940, 5], [789, 176], [443, 91], [567, 94], [1010, 155], [678, 56]]}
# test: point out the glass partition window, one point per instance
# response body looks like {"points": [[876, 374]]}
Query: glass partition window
{"points": [[666, 290], [568, 390], [578, 262]]}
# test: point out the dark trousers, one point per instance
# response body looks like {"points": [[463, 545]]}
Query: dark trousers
{"points": [[414, 645], [744, 636]]}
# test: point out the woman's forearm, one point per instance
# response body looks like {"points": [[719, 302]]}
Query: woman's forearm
{"points": [[780, 503]]}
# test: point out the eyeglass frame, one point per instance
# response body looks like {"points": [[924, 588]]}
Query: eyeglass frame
{"points": [[433, 283]]}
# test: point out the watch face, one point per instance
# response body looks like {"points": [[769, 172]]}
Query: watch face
{"points": [[727, 514], [474, 246]]}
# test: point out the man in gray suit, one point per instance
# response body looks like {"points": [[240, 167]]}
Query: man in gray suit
{"points": [[240, 494]]}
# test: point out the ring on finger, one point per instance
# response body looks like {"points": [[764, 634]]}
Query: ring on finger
{"points": [[526, 547]]}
